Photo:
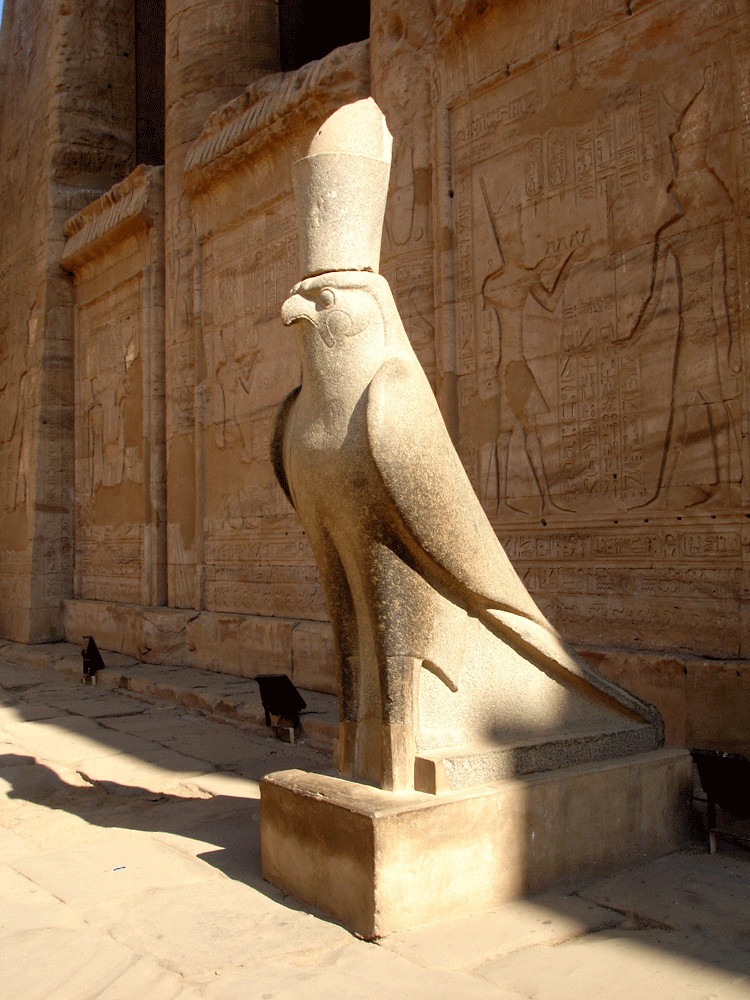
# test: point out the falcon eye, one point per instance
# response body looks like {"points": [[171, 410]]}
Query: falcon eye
{"points": [[327, 298]]}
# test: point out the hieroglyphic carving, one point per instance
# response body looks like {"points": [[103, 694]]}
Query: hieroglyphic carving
{"points": [[263, 569], [583, 190], [405, 85], [247, 272], [410, 277], [257, 559], [109, 423], [636, 585], [600, 408], [628, 392], [16, 431], [506, 290], [109, 348], [700, 240], [19, 379], [110, 562], [697, 541]]}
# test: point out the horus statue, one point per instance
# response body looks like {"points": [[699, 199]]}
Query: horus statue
{"points": [[448, 673]]}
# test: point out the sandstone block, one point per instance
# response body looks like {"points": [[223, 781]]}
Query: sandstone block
{"points": [[380, 862]]}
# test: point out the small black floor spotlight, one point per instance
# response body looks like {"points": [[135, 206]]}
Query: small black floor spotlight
{"points": [[281, 698], [92, 660]]}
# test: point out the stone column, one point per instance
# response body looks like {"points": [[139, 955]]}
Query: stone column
{"points": [[214, 50]]}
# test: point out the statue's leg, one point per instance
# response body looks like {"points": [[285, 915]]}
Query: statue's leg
{"points": [[345, 640], [349, 691], [398, 682]]}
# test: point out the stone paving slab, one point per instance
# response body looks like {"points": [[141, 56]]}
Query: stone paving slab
{"points": [[670, 892], [162, 770], [67, 737], [357, 970], [11, 845], [94, 703], [29, 907], [125, 874], [111, 867], [548, 919], [620, 965], [219, 924], [81, 963]]}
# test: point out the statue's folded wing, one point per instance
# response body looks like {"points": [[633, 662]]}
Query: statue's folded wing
{"points": [[440, 512], [432, 494]]}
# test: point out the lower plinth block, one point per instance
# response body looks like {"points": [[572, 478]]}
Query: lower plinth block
{"points": [[381, 862]]}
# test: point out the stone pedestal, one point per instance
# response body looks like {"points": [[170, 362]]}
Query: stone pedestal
{"points": [[381, 862]]}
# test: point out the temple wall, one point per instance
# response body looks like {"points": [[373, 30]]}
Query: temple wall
{"points": [[256, 558], [115, 249], [599, 209], [66, 134], [213, 51], [566, 238]]}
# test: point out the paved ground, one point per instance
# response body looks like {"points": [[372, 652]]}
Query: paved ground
{"points": [[130, 869]]}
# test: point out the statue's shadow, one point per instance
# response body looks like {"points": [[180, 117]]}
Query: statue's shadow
{"points": [[228, 825]]}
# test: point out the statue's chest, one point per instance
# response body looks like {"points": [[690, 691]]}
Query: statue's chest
{"points": [[328, 454]]}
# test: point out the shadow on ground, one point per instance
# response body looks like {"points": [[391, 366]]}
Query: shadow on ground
{"points": [[691, 907], [229, 823]]}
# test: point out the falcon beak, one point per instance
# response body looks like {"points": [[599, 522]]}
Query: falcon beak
{"points": [[295, 308]]}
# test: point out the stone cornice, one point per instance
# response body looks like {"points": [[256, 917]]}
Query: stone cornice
{"points": [[275, 105], [137, 199], [452, 16]]}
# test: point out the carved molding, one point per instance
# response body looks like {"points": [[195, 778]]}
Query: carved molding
{"points": [[277, 104], [108, 219]]}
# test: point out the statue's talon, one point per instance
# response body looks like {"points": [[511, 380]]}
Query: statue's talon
{"points": [[348, 702], [398, 750], [397, 743]]}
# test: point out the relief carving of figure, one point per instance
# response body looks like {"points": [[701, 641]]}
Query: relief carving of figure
{"points": [[506, 290], [15, 430], [234, 373], [700, 238], [409, 97], [106, 431]]}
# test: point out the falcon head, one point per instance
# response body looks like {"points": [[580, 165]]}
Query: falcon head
{"points": [[339, 305]]}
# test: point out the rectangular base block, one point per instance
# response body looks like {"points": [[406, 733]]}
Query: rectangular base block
{"points": [[381, 862]]}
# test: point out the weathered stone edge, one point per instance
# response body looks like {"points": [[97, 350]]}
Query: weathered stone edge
{"points": [[279, 101], [140, 195]]}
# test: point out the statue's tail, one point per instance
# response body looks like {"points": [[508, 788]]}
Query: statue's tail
{"points": [[546, 649]]}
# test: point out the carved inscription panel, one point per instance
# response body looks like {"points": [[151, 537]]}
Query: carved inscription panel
{"points": [[110, 480], [410, 276], [257, 558], [598, 202]]}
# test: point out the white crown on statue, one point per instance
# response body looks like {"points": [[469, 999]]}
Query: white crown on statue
{"points": [[341, 188]]}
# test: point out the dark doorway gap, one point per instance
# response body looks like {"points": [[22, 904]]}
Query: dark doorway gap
{"points": [[150, 50], [310, 30]]}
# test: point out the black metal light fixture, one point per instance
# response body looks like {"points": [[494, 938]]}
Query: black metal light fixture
{"points": [[92, 660], [281, 698]]}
